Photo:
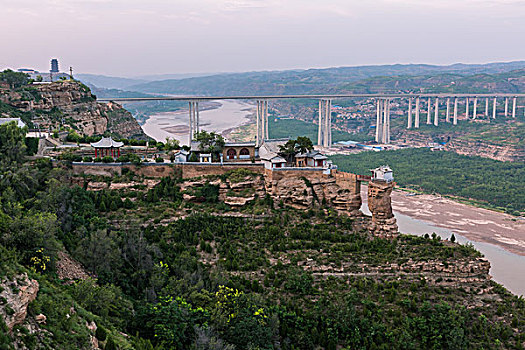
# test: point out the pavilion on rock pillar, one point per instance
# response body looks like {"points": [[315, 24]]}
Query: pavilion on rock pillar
{"points": [[107, 147]]}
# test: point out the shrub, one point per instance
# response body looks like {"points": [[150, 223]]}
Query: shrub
{"points": [[101, 333], [108, 159], [159, 160], [87, 159], [193, 158], [110, 345]]}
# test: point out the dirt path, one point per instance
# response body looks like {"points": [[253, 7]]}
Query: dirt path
{"points": [[474, 223]]}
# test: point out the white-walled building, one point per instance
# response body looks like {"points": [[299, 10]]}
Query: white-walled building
{"points": [[383, 173]]}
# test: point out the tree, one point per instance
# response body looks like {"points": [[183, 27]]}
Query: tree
{"points": [[287, 151], [172, 322], [293, 147], [210, 142], [303, 144], [171, 144], [12, 145], [14, 79], [452, 238]]}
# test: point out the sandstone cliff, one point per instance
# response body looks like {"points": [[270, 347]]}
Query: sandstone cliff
{"points": [[294, 190], [71, 104], [380, 205], [302, 192]]}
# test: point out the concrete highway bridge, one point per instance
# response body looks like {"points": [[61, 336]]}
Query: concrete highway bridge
{"points": [[415, 102]]}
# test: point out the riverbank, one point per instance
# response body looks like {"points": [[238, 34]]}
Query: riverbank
{"points": [[474, 223], [221, 117], [500, 237], [478, 224]]}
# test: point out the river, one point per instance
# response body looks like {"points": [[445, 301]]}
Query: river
{"points": [[506, 268], [229, 114]]}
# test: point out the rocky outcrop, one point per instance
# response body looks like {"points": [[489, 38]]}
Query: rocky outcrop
{"points": [[15, 296], [234, 193], [459, 142], [505, 153], [379, 202], [293, 190], [71, 103], [303, 193], [240, 193]]}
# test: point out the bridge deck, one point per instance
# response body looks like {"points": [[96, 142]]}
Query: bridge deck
{"points": [[279, 97]]}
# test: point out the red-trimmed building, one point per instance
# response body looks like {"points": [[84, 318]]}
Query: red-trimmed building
{"points": [[107, 147]]}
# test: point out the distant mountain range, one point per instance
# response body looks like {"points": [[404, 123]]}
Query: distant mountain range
{"points": [[109, 82], [348, 79]]}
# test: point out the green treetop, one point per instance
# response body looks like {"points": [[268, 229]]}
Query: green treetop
{"points": [[210, 142], [293, 147], [14, 79]]}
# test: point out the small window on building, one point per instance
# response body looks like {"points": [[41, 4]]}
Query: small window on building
{"points": [[244, 152]]}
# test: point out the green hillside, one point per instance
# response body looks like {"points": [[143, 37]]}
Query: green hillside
{"points": [[169, 273]]}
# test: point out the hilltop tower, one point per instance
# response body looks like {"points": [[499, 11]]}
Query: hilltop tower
{"points": [[54, 66]]}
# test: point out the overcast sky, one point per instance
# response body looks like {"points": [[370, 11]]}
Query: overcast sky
{"points": [[135, 37]]}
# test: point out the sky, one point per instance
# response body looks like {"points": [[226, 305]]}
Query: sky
{"points": [[139, 37]]}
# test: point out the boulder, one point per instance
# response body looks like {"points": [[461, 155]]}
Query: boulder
{"points": [[18, 293]]}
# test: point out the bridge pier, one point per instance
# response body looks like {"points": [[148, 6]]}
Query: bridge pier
{"points": [[409, 113], [455, 120], [416, 121], [514, 107], [385, 126], [194, 119], [474, 113], [487, 107], [436, 114], [429, 111], [447, 117], [262, 122], [506, 106], [379, 121], [466, 108], [494, 106], [324, 133]]}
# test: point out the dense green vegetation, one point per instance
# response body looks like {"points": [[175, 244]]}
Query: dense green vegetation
{"points": [[293, 128], [14, 79], [495, 183], [174, 274]]}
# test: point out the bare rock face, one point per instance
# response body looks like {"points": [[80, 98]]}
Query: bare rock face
{"points": [[240, 193], [302, 193], [379, 202], [72, 103], [15, 297], [294, 191]]}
